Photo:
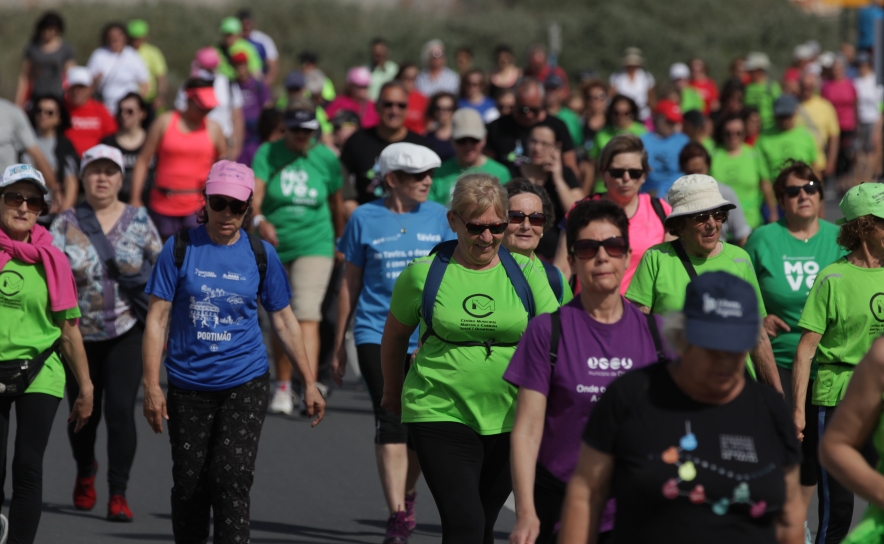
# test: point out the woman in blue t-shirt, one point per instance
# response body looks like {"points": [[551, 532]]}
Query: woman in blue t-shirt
{"points": [[208, 282]]}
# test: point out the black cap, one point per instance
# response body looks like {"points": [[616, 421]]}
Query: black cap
{"points": [[308, 56], [301, 119]]}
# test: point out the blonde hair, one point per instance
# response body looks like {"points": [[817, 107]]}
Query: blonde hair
{"points": [[474, 194]]}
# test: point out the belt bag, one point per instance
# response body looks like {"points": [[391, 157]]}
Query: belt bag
{"points": [[17, 375]]}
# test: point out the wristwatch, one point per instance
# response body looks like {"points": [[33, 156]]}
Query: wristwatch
{"points": [[257, 220]]}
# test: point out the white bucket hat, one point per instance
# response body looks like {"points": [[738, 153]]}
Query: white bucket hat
{"points": [[694, 194]]}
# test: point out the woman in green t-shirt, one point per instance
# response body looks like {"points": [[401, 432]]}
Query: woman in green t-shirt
{"points": [[299, 210], [38, 322], [458, 408]]}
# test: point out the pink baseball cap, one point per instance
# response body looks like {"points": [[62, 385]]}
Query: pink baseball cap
{"points": [[359, 76], [231, 179], [207, 58]]}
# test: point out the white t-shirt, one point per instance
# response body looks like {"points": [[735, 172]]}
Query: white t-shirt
{"points": [[121, 73], [229, 98], [267, 42], [636, 89], [868, 98]]}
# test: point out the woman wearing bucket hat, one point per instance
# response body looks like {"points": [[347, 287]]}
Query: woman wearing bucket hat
{"points": [[658, 286], [723, 460], [843, 315], [38, 323], [205, 290], [111, 247]]}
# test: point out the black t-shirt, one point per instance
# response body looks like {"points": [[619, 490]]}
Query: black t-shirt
{"points": [[693, 472], [443, 148], [360, 158], [508, 140], [130, 156], [550, 241]]}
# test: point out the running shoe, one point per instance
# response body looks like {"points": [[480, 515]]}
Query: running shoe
{"points": [[397, 529], [4, 529], [118, 509], [282, 402], [84, 490], [410, 517]]}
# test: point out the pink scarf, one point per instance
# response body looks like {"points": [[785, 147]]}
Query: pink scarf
{"points": [[59, 278]]}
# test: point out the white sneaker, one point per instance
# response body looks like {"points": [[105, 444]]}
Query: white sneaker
{"points": [[4, 529], [282, 403], [323, 389]]}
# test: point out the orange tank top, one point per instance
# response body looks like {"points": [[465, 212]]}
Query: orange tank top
{"points": [[183, 163]]}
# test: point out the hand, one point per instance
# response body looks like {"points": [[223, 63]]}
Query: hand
{"points": [[268, 232], [554, 165], [773, 324], [339, 364], [339, 258], [155, 408], [82, 409], [800, 423], [392, 402], [315, 404], [526, 531]]}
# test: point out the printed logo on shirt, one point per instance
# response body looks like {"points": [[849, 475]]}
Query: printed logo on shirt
{"points": [[204, 273], [721, 306], [207, 313], [233, 276], [11, 283], [421, 237], [294, 184], [800, 271], [85, 123], [478, 306], [876, 304], [737, 448], [614, 363], [594, 390]]}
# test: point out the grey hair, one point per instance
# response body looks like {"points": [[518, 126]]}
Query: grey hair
{"points": [[527, 81], [432, 44], [674, 331]]}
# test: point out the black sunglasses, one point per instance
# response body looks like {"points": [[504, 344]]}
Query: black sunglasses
{"points": [[14, 200], [587, 249], [718, 216], [536, 219], [810, 189], [634, 173], [478, 228], [237, 207], [526, 110], [388, 104]]}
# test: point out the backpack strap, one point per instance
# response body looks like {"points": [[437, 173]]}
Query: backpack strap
{"points": [[182, 240], [658, 209], [260, 260], [555, 280], [555, 333], [655, 334], [517, 278], [685, 260]]}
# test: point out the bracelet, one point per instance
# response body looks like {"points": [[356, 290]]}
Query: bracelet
{"points": [[257, 220]]}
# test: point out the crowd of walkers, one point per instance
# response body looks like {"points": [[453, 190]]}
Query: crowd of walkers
{"points": [[616, 299]]}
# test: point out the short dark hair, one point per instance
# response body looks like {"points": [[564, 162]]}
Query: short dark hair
{"points": [[718, 133], [609, 115], [244, 14], [466, 77], [465, 49], [691, 151], [269, 121], [800, 170], [105, 32], [308, 56], [623, 143], [379, 41], [142, 105], [64, 116], [433, 105], [586, 211], [502, 48], [521, 186], [50, 19]]}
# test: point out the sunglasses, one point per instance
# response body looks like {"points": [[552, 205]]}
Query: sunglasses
{"points": [[720, 216], [465, 141], [587, 249], [237, 207], [526, 110], [618, 113], [478, 228], [810, 189], [400, 105], [14, 200], [536, 219], [634, 173]]}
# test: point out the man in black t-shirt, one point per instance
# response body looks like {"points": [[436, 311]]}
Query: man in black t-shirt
{"points": [[360, 154], [508, 135]]}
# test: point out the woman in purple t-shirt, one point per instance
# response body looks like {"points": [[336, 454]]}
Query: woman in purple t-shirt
{"points": [[558, 392]]}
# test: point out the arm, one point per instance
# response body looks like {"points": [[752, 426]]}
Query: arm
{"points": [[143, 88], [525, 440], [567, 196], [394, 348], [832, 154], [159, 100], [41, 164], [561, 259], [801, 376], [336, 205], [272, 71], [152, 353], [288, 331], [139, 172], [349, 294], [770, 199], [217, 136], [266, 230], [585, 499], [75, 357], [570, 160], [239, 132], [69, 192], [765, 364], [24, 81], [790, 524]]}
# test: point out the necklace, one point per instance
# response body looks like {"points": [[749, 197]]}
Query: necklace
{"points": [[403, 228]]}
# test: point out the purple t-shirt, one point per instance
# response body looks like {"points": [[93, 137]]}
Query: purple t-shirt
{"points": [[591, 356]]}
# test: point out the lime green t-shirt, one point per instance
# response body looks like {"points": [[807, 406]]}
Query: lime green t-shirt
{"points": [[574, 124], [27, 325], [761, 96], [660, 280], [156, 65], [256, 65], [463, 384], [691, 100], [845, 306], [743, 174], [296, 201], [786, 268], [605, 135], [777, 146], [445, 177], [709, 144]]}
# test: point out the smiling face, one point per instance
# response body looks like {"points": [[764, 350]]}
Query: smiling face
{"points": [[102, 181], [623, 189], [479, 250], [700, 239], [522, 237], [17, 222], [801, 207], [391, 107], [541, 144], [603, 273]]}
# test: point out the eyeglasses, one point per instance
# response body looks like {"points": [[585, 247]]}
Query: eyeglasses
{"points": [[47, 113], [587, 249], [794, 190], [720, 216], [478, 228], [14, 200], [466, 141], [536, 219], [526, 110], [237, 207], [388, 105], [127, 111], [619, 173]]}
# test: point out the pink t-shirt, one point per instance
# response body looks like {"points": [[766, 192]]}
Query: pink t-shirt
{"points": [[645, 230], [368, 115], [842, 95]]}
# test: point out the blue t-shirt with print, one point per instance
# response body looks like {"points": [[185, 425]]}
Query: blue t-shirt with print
{"points": [[215, 342], [663, 158], [374, 241]]}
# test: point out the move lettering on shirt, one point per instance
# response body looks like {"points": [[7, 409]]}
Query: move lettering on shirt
{"points": [[294, 184], [800, 271]]}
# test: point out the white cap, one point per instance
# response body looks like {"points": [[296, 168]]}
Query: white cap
{"points": [[757, 61], [408, 158], [679, 70], [827, 59], [803, 52], [78, 75], [23, 172], [100, 152], [695, 193]]}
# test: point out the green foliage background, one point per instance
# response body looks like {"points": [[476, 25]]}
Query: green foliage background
{"points": [[594, 32]]}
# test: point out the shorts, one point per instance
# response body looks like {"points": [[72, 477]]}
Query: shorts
{"points": [[809, 456], [864, 135], [168, 225], [309, 277]]}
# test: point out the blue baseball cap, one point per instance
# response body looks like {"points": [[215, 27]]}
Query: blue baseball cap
{"points": [[721, 313], [295, 80]]}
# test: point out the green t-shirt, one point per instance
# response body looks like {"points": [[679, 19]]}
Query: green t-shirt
{"points": [[256, 65], [743, 174], [709, 144], [445, 177], [761, 96], [786, 268], [156, 65], [660, 280], [691, 100], [605, 135], [463, 384], [574, 124], [846, 306], [296, 201], [777, 146], [27, 325]]}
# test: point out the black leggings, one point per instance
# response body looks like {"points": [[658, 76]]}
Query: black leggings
{"points": [[388, 428], [549, 494], [34, 414], [468, 475], [115, 368]]}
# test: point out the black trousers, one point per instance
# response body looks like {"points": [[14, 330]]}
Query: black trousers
{"points": [[34, 414], [115, 368], [468, 475], [214, 437], [388, 426]]}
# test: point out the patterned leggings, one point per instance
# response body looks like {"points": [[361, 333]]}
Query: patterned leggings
{"points": [[214, 437]]}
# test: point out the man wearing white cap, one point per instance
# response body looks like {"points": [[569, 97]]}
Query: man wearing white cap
{"points": [[16, 137], [762, 91], [90, 120]]}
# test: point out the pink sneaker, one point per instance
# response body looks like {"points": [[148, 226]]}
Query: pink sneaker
{"points": [[397, 529], [410, 518]]}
